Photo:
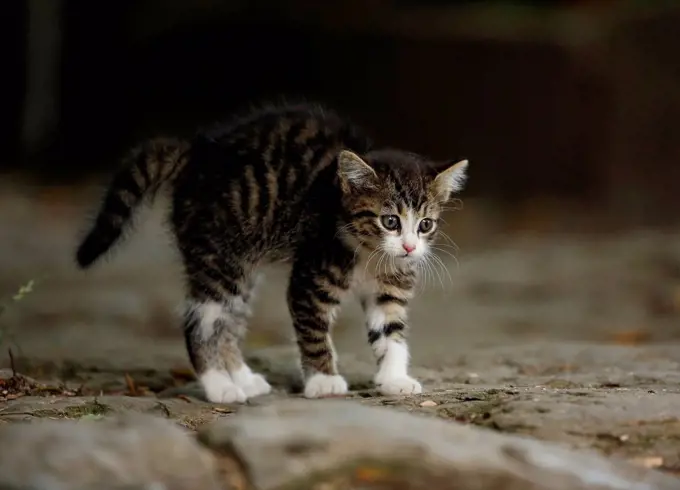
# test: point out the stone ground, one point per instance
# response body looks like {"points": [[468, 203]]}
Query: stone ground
{"points": [[569, 338]]}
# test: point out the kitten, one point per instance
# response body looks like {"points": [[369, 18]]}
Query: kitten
{"points": [[294, 182]]}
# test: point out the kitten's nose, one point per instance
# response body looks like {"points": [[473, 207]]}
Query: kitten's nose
{"points": [[408, 248]]}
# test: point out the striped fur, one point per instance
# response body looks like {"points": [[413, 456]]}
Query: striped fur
{"points": [[295, 183], [145, 169]]}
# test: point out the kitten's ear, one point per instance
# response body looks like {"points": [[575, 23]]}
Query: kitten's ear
{"points": [[451, 180], [354, 173]]}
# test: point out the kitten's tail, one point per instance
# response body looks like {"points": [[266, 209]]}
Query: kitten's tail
{"points": [[145, 169]]}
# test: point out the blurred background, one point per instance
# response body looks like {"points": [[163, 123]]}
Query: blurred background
{"points": [[567, 110]]}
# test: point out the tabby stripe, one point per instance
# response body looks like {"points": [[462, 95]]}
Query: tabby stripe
{"points": [[364, 214], [316, 337], [403, 192], [245, 196], [253, 193], [306, 311], [315, 165], [129, 182], [388, 298], [286, 156], [315, 354], [219, 283], [374, 336], [116, 206], [393, 327], [262, 183], [403, 281], [325, 297], [333, 280], [141, 164], [295, 141], [368, 227], [311, 326]]}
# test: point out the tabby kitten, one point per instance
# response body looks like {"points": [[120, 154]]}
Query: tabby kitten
{"points": [[287, 182]]}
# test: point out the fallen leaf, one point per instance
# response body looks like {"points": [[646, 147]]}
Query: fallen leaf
{"points": [[631, 337], [368, 474], [132, 389], [648, 462], [184, 374]]}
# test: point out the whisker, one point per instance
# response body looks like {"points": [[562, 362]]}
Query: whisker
{"points": [[441, 264], [449, 239], [421, 276], [374, 253], [380, 260], [455, 259], [435, 269], [343, 228]]}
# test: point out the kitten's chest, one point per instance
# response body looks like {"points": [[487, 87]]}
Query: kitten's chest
{"points": [[374, 271], [368, 268]]}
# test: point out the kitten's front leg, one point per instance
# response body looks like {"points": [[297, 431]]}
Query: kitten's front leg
{"points": [[314, 296], [385, 306]]}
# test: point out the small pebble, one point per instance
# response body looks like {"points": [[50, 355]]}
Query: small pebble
{"points": [[428, 403]]}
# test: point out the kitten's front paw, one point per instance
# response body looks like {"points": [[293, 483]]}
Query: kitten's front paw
{"points": [[403, 385], [256, 386], [252, 384], [219, 387], [321, 385]]}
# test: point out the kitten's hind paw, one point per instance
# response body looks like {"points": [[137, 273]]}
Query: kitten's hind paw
{"points": [[403, 385], [220, 388], [322, 385]]}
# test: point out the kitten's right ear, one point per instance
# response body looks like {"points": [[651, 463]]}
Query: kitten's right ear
{"points": [[354, 173]]}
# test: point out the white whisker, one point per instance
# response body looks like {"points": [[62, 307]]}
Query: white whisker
{"points": [[455, 259], [441, 264], [429, 258]]}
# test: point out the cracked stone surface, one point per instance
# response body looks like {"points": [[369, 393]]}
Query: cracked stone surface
{"points": [[334, 444], [563, 339]]}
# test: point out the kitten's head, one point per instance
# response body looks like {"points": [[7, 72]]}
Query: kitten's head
{"points": [[393, 199]]}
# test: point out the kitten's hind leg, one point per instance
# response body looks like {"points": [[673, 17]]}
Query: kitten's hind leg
{"points": [[214, 325], [314, 295]]}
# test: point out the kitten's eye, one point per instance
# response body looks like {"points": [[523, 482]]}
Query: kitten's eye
{"points": [[426, 225], [390, 221]]}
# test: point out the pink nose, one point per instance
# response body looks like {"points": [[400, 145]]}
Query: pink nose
{"points": [[408, 248]]}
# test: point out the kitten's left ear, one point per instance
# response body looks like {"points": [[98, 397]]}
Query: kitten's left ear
{"points": [[451, 180]]}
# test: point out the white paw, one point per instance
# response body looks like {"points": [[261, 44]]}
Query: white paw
{"points": [[402, 385], [254, 385], [320, 385], [219, 387]]}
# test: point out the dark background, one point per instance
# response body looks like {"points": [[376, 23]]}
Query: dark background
{"points": [[568, 112], [570, 99]]}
